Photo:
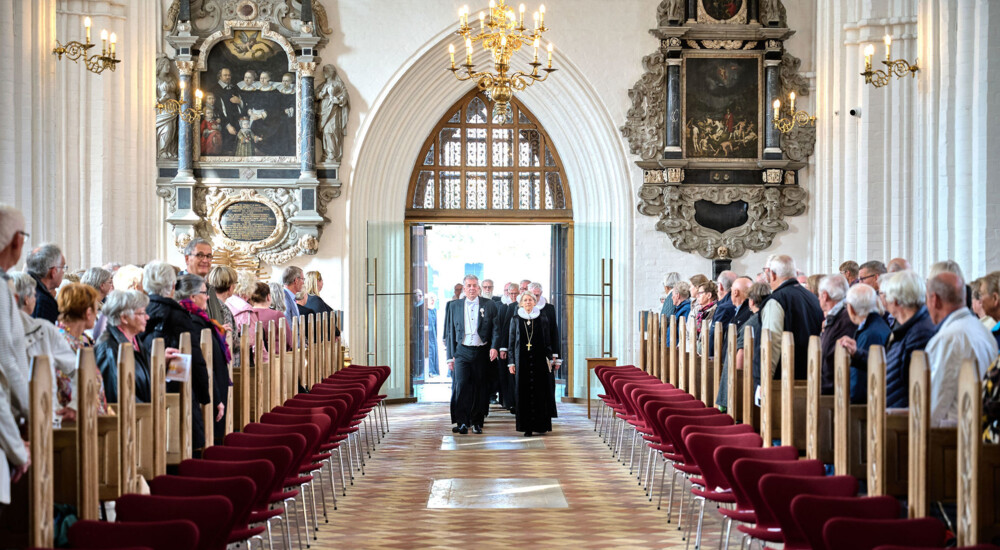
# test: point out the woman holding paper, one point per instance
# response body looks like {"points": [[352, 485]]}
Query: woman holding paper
{"points": [[168, 320], [529, 359]]}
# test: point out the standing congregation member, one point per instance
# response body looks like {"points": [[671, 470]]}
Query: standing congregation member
{"points": [[126, 312], [78, 305], [472, 336], [960, 336], [417, 328], [849, 270], [523, 286], [904, 293], [198, 258], [758, 297], [432, 337], [989, 296], [128, 277], [488, 290], [47, 265], [314, 285], [669, 281], [239, 306], [792, 308], [528, 360], [873, 330], [898, 264], [837, 324], [100, 279], [168, 320], [725, 309], [262, 301], [738, 294], [15, 455], [293, 280], [192, 294]]}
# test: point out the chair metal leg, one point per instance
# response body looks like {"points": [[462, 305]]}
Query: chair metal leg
{"points": [[701, 524], [597, 414], [663, 476], [312, 492], [343, 478], [631, 454], [291, 511]]}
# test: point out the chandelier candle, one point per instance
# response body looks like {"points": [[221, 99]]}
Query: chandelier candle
{"points": [[502, 34]]}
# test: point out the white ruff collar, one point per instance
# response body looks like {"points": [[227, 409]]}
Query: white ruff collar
{"points": [[505, 300], [541, 302], [525, 315]]}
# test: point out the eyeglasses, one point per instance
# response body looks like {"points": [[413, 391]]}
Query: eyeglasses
{"points": [[203, 256], [862, 279], [23, 234], [202, 292]]}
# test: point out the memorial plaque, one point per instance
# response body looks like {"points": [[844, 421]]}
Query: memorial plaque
{"points": [[248, 221]]}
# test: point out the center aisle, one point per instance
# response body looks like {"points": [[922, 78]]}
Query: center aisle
{"points": [[388, 507]]}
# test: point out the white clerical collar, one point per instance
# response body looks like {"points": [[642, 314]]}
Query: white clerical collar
{"points": [[541, 302], [505, 300], [525, 315]]}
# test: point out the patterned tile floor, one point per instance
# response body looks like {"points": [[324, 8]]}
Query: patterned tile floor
{"points": [[388, 507]]}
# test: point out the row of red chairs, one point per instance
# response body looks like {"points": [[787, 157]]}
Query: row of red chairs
{"points": [[771, 494], [234, 492]]}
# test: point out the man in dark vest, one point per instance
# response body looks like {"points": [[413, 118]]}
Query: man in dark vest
{"points": [[791, 308]]}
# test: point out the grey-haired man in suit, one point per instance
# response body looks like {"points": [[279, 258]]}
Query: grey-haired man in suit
{"points": [[471, 337]]}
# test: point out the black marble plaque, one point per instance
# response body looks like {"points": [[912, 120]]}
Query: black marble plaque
{"points": [[720, 217], [248, 221]]}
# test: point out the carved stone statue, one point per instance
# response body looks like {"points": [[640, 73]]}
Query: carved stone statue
{"points": [[722, 253], [670, 12], [166, 123], [334, 109], [771, 12]]}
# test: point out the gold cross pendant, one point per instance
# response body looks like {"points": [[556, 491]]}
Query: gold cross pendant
{"points": [[529, 346]]}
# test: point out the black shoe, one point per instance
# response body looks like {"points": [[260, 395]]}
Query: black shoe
{"points": [[455, 429], [477, 428], [463, 429], [527, 434]]}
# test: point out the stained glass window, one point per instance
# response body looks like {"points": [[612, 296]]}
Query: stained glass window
{"points": [[499, 167]]}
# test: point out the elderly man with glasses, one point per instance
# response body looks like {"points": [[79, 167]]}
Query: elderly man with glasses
{"points": [[198, 259]]}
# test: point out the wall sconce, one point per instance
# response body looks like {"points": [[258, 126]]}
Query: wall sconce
{"points": [[795, 118], [898, 67], [176, 107], [74, 51]]}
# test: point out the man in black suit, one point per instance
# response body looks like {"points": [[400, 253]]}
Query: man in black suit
{"points": [[471, 337], [229, 107], [488, 291]]}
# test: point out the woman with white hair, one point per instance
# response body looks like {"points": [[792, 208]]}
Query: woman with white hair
{"points": [[100, 279], [864, 310], [904, 294], [528, 360], [669, 281], [126, 314]]}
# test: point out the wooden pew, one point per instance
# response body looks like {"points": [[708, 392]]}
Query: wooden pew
{"points": [[257, 376], [716, 366], [767, 405], [242, 379], [672, 378], [268, 377], [305, 377], [707, 373], [748, 405], [179, 413], [311, 343], [643, 340], [116, 443], [733, 376], [208, 410], [41, 476], [287, 361], [296, 374], [682, 355], [813, 389], [793, 395], [978, 511], [664, 348], [150, 419], [653, 354], [230, 417], [887, 434], [692, 362], [933, 452], [850, 422], [74, 446]]}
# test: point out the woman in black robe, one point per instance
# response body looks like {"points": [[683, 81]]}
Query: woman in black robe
{"points": [[529, 363]]}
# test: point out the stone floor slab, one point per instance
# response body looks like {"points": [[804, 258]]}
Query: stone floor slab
{"points": [[489, 443], [502, 493]]}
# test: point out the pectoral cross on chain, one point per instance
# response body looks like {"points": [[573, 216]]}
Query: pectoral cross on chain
{"points": [[529, 346]]}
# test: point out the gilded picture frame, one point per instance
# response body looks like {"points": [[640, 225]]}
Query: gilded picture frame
{"points": [[722, 111]]}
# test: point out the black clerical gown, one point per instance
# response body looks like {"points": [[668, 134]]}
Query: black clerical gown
{"points": [[505, 380], [535, 386]]}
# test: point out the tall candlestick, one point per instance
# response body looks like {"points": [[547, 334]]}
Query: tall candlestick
{"points": [[468, 51], [113, 40], [104, 41], [520, 9], [550, 55], [493, 5], [541, 15], [197, 99], [86, 28], [791, 103], [888, 47], [869, 51], [777, 107], [482, 21], [535, 44], [536, 20]]}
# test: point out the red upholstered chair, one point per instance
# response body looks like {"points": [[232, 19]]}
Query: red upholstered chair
{"points": [[867, 534], [779, 490], [713, 485], [976, 547], [326, 419], [683, 463], [156, 535], [748, 473], [211, 514], [262, 474], [270, 506], [725, 457], [239, 490], [811, 512]]}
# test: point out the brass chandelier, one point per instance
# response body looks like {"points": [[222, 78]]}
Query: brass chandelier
{"points": [[795, 118], [898, 67], [74, 51], [175, 107], [502, 33]]}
